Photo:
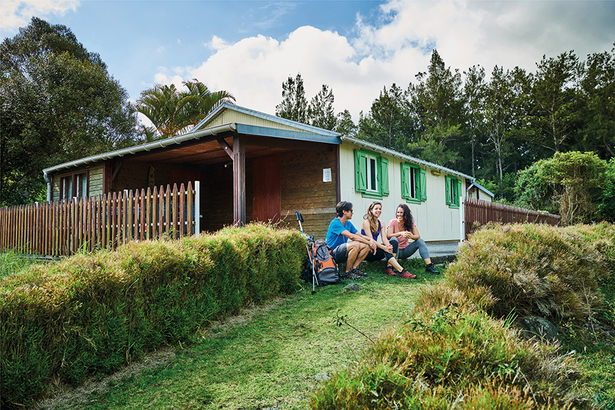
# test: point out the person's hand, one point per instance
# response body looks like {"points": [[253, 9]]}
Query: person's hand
{"points": [[388, 248], [406, 235], [372, 244]]}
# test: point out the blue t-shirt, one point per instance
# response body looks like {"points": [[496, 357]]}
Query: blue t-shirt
{"points": [[334, 233]]}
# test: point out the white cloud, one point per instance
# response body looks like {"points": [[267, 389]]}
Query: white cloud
{"points": [[216, 43], [18, 13], [397, 46]]}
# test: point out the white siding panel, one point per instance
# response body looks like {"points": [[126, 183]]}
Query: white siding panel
{"points": [[434, 219]]}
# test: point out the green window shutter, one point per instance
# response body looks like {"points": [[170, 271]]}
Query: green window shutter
{"points": [[422, 186], [458, 193], [360, 170], [384, 176], [405, 181], [447, 183]]}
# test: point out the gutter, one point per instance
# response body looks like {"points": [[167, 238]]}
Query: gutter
{"points": [[140, 148]]}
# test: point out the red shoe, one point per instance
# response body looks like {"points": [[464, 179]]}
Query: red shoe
{"points": [[406, 275], [389, 271]]}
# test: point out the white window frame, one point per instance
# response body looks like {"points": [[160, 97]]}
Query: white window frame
{"points": [[371, 166]]}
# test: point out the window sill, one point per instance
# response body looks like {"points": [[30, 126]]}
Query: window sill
{"points": [[413, 201], [371, 195]]}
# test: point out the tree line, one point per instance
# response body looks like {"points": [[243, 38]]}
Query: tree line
{"points": [[489, 127], [59, 103]]}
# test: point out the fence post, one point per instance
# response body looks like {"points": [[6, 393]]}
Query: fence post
{"points": [[197, 208], [462, 220]]}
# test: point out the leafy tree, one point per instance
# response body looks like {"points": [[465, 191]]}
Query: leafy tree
{"points": [[437, 103], [474, 100], [389, 122], [598, 110], [294, 104], [606, 202], [320, 112], [554, 94], [174, 111], [202, 101], [59, 104], [497, 113], [345, 125], [570, 183]]}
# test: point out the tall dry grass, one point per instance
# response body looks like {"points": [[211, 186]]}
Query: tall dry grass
{"points": [[460, 350]]}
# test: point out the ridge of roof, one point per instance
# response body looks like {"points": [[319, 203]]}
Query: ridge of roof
{"points": [[282, 121], [397, 154]]}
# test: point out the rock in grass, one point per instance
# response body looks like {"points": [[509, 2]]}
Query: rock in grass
{"points": [[352, 287], [537, 326]]}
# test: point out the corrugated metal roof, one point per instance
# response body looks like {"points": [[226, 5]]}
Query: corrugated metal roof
{"points": [[482, 188], [140, 148], [405, 157]]}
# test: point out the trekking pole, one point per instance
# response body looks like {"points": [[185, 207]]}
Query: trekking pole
{"points": [[310, 242]]}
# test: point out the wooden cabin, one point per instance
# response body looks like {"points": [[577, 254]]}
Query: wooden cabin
{"points": [[253, 166]]}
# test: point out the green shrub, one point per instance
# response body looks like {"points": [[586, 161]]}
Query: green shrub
{"points": [[93, 313], [536, 269]]}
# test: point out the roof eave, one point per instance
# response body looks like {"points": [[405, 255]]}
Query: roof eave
{"points": [[193, 135], [394, 153]]}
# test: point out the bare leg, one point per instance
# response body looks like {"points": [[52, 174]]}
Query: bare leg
{"points": [[363, 251], [353, 250], [427, 261], [393, 262]]}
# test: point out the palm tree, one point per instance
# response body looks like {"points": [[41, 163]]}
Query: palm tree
{"points": [[173, 111]]}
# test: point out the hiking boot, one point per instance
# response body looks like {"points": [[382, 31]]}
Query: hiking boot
{"points": [[351, 275], [431, 269], [406, 275], [389, 271], [358, 272]]}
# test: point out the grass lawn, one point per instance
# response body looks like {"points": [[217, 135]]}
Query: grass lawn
{"points": [[269, 358]]}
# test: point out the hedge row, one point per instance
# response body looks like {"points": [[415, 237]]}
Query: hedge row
{"points": [[93, 313]]}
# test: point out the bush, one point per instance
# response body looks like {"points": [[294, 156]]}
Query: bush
{"points": [[536, 269], [453, 356], [459, 349], [93, 313]]}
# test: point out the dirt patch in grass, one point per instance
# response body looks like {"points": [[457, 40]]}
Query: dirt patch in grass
{"points": [[64, 396]]}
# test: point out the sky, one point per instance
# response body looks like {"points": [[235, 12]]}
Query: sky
{"points": [[249, 48]]}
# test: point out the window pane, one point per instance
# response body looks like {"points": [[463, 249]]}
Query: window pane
{"points": [[68, 187], [372, 175], [82, 183]]}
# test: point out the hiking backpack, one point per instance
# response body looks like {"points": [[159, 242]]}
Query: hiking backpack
{"points": [[325, 267]]}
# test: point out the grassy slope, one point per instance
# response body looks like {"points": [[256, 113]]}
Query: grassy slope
{"points": [[275, 358]]}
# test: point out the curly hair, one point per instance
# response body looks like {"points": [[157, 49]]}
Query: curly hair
{"points": [[408, 220]]}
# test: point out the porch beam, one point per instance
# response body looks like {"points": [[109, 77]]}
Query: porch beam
{"points": [[225, 146], [239, 180]]}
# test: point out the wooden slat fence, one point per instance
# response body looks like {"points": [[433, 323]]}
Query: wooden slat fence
{"points": [[66, 227], [477, 210]]}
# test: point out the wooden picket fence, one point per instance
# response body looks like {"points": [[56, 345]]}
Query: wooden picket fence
{"points": [[102, 222], [477, 210]]}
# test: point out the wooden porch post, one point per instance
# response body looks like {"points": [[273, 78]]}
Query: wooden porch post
{"points": [[239, 180]]}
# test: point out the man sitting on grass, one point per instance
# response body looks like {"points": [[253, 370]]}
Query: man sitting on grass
{"points": [[352, 252]]}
